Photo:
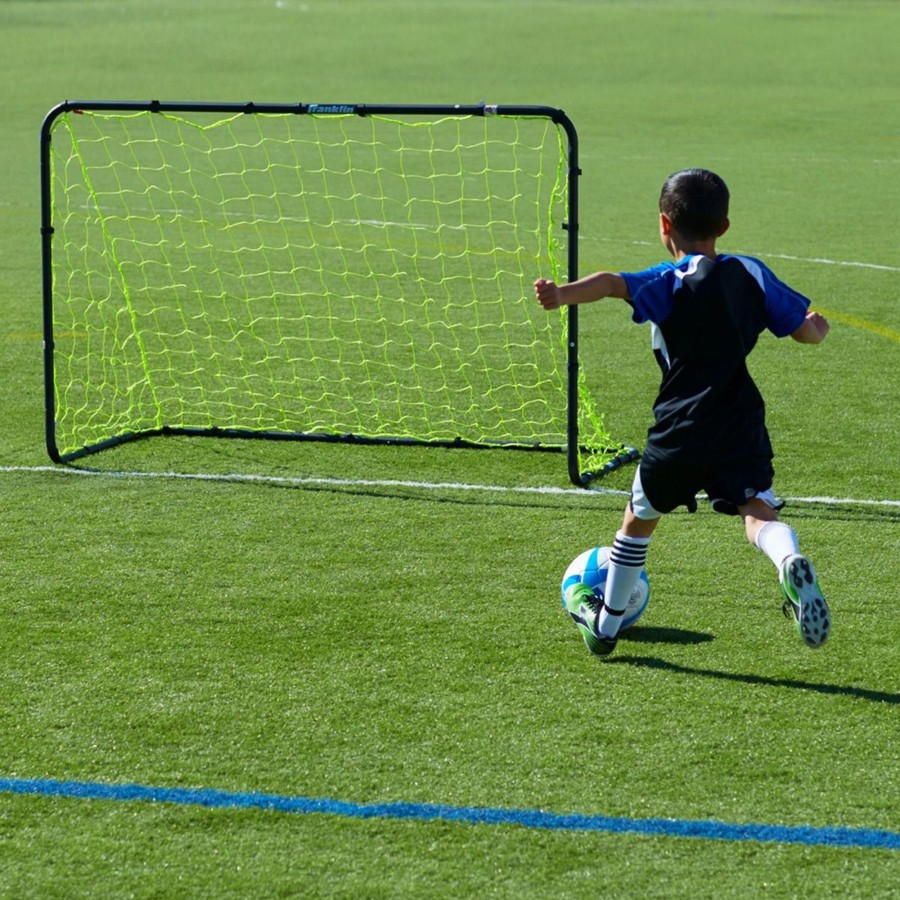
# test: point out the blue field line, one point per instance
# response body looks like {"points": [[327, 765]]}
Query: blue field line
{"points": [[867, 838]]}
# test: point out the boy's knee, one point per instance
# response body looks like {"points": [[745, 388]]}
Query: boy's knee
{"points": [[634, 526], [756, 513]]}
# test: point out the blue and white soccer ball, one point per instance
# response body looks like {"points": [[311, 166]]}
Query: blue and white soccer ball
{"points": [[592, 567]]}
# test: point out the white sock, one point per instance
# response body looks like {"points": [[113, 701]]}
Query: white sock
{"points": [[626, 559], [778, 541]]}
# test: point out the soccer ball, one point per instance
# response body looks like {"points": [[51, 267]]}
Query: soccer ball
{"points": [[591, 567]]}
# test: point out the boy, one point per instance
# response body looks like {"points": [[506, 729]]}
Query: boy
{"points": [[706, 312]]}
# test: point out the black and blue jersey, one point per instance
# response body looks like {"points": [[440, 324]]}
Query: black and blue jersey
{"points": [[706, 317]]}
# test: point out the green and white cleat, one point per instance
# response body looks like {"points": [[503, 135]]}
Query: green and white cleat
{"points": [[804, 600], [584, 606]]}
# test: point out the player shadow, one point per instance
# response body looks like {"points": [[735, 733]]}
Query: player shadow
{"points": [[642, 634], [650, 662]]}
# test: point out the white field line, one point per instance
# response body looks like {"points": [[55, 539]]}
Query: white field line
{"points": [[442, 226], [827, 262], [238, 478], [810, 259], [156, 211]]}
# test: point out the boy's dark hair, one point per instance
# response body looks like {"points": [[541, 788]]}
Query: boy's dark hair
{"points": [[696, 203]]}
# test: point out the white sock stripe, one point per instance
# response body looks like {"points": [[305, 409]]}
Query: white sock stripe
{"points": [[629, 552], [628, 547], [628, 559]]}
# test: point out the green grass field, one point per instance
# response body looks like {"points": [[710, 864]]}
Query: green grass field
{"points": [[360, 625]]}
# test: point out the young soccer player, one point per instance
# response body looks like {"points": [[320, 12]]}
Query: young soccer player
{"points": [[706, 312]]}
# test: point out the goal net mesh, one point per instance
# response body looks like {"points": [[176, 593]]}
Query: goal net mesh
{"points": [[310, 275]]}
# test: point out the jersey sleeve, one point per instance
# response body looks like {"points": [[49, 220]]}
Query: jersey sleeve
{"points": [[785, 307], [650, 292]]}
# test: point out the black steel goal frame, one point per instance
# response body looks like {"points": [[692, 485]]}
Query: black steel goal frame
{"points": [[571, 225]]}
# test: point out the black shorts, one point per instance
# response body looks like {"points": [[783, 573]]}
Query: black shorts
{"points": [[728, 482]]}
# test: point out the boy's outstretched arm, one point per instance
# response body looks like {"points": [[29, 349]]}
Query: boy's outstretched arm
{"points": [[813, 330], [585, 290]]}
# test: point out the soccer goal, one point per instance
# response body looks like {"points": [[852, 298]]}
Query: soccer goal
{"points": [[322, 272]]}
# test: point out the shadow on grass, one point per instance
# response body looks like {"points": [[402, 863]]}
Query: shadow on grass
{"points": [[651, 635], [650, 662], [110, 462], [888, 515]]}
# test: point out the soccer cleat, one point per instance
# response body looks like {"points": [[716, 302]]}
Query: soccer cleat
{"points": [[804, 600], [584, 606]]}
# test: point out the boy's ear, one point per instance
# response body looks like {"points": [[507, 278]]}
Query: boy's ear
{"points": [[724, 228], [665, 224]]}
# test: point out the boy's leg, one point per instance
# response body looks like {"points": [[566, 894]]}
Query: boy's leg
{"points": [[626, 559], [760, 512], [804, 600], [598, 619]]}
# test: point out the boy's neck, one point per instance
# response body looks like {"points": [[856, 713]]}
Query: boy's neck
{"points": [[693, 248], [680, 246]]}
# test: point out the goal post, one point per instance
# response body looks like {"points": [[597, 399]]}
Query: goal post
{"points": [[320, 272]]}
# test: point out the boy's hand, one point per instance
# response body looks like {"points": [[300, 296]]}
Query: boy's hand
{"points": [[819, 322], [547, 293], [813, 330]]}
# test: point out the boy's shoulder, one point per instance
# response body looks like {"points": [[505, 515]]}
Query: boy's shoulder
{"points": [[652, 291], [696, 265], [656, 284]]}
